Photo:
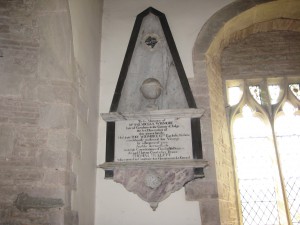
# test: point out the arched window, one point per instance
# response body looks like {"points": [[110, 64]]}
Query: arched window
{"points": [[265, 127]]}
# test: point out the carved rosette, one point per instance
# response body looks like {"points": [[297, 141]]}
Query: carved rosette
{"points": [[151, 40], [153, 185]]}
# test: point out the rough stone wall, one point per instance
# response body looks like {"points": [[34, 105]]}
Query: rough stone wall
{"points": [[222, 147], [265, 54], [205, 190], [217, 193], [39, 104]]}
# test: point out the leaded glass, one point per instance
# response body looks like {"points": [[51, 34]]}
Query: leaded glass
{"points": [[293, 195], [287, 128], [274, 91], [256, 93], [288, 109], [267, 156], [234, 95], [255, 173], [295, 88], [258, 200]]}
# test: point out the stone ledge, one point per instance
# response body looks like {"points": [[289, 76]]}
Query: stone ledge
{"points": [[157, 114], [196, 163]]}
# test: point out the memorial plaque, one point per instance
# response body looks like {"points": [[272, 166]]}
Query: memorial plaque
{"points": [[153, 140]]}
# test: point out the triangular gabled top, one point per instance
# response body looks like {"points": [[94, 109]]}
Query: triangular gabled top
{"points": [[152, 53], [150, 10]]}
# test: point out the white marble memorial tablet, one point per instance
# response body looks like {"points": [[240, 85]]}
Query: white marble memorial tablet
{"points": [[153, 140]]}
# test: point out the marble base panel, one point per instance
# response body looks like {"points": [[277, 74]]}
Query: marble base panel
{"points": [[153, 185]]}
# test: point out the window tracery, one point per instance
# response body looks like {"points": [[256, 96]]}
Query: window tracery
{"points": [[265, 128]]}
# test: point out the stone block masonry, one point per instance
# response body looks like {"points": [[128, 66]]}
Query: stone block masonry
{"points": [[277, 53], [38, 112]]}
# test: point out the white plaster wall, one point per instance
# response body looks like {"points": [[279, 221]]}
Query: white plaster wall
{"points": [[115, 205], [86, 27]]}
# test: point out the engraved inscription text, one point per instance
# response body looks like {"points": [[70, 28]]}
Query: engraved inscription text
{"points": [[153, 139]]}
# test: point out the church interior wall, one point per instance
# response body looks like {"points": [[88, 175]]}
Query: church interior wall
{"points": [[59, 65], [185, 20]]}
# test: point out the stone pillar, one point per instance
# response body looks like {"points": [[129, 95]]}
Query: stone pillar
{"points": [[38, 113]]}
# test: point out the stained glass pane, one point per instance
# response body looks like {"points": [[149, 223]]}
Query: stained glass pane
{"points": [[274, 91], [287, 129], [247, 112], [234, 95], [255, 172], [256, 93], [288, 110], [295, 88]]}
